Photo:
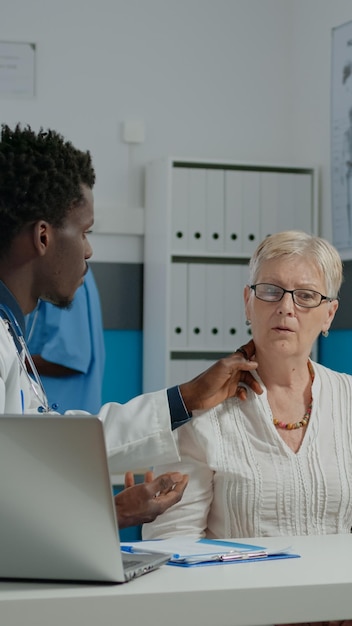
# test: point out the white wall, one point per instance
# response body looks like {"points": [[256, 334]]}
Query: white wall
{"points": [[243, 80]]}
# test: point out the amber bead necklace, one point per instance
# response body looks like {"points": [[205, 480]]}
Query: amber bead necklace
{"points": [[305, 419]]}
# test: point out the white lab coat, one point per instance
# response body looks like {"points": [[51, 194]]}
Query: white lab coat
{"points": [[138, 434]]}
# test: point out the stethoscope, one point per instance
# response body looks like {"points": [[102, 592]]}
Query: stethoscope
{"points": [[16, 333]]}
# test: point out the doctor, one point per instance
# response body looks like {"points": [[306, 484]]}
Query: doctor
{"points": [[46, 212]]}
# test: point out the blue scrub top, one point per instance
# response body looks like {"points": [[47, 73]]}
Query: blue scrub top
{"points": [[73, 338]]}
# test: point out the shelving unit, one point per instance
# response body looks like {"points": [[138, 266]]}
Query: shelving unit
{"points": [[203, 220]]}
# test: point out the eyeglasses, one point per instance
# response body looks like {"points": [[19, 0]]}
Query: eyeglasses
{"points": [[306, 298]]}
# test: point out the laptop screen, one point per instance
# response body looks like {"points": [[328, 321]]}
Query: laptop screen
{"points": [[57, 514]]}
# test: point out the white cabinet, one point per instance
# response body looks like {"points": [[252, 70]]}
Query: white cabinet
{"points": [[203, 221]]}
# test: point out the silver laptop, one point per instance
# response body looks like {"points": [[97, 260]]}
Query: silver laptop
{"points": [[57, 514]]}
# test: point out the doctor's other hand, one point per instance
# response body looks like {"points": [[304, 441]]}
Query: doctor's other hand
{"points": [[222, 380], [142, 503]]}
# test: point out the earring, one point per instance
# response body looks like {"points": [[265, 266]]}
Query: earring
{"points": [[248, 322], [325, 333]]}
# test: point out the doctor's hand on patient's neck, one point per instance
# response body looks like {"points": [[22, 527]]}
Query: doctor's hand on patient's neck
{"points": [[142, 503], [222, 381]]}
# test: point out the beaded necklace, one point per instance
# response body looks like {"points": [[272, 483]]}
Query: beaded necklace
{"points": [[305, 419]]}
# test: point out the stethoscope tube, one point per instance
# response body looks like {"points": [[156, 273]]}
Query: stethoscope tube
{"points": [[16, 333]]}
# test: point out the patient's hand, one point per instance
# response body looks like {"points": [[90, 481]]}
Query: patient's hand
{"points": [[142, 503]]}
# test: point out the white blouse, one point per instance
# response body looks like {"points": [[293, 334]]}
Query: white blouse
{"points": [[244, 481]]}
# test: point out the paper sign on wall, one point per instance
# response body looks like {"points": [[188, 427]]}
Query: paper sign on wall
{"points": [[17, 66]]}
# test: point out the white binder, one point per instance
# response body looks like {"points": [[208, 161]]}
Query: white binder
{"points": [[179, 238], [270, 203], [297, 191], [195, 367], [178, 305], [233, 212], [215, 210], [196, 305], [214, 306], [196, 210], [251, 211], [284, 202], [234, 316], [177, 372]]}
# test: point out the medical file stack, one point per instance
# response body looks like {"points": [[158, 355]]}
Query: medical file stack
{"points": [[203, 220]]}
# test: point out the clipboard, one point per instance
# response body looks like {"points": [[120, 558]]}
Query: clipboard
{"points": [[191, 552]]}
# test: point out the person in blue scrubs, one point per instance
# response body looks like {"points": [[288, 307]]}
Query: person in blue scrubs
{"points": [[67, 346]]}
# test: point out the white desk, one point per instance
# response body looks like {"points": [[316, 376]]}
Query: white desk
{"points": [[316, 587]]}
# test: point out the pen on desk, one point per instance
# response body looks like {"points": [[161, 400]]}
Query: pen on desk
{"points": [[194, 559], [135, 550], [127, 549], [225, 557], [233, 556]]}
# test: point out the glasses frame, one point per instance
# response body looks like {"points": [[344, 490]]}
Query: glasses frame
{"points": [[292, 292]]}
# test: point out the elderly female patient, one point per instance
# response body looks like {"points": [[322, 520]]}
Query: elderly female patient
{"points": [[279, 463]]}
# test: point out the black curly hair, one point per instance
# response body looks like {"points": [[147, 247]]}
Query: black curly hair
{"points": [[40, 178]]}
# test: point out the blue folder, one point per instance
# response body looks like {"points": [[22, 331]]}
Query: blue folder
{"points": [[190, 552]]}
